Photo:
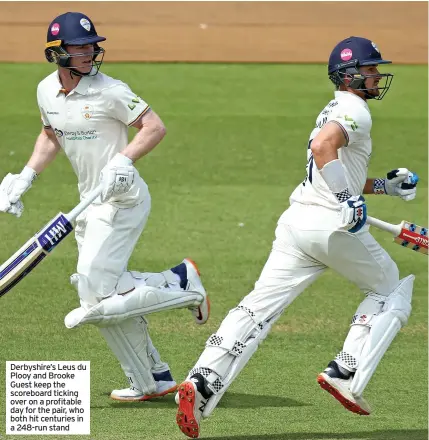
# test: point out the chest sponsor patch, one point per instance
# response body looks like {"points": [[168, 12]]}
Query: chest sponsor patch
{"points": [[77, 135]]}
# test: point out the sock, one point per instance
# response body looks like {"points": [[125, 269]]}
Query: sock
{"points": [[182, 273], [200, 383], [165, 376]]}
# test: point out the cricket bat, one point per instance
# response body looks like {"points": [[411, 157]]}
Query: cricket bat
{"points": [[406, 234], [22, 262]]}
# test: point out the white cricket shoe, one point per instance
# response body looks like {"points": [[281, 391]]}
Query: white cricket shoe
{"points": [[133, 394], [338, 385], [191, 406], [191, 281]]}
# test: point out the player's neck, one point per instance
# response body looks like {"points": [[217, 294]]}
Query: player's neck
{"points": [[68, 80], [358, 93]]}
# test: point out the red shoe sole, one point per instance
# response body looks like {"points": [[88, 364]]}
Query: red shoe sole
{"points": [[152, 396], [185, 414], [348, 404]]}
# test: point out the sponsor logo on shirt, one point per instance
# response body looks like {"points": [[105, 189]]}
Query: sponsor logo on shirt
{"points": [[77, 135], [52, 113]]}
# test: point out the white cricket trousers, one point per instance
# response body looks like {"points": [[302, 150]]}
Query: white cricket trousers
{"points": [[106, 237], [307, 242]]}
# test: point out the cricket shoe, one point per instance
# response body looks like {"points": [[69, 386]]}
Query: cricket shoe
{"points": [[190, 280], [165, 384], [337, 382], [191, 406]]}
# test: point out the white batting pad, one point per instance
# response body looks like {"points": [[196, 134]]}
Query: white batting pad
{"points": [[385, 326], [129, 342], [240, 362], [141, 301]]}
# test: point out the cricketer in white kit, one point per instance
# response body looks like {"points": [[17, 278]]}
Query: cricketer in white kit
{"points": [[87, 114], [324, 227]]}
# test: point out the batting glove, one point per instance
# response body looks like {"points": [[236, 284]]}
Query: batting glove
{"points": [[6, 206], [116, 177], [353, 213], [12, 187], [400, 182]]}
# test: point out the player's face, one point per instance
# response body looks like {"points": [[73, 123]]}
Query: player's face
{"points": [[371, 83], [81, 57]]}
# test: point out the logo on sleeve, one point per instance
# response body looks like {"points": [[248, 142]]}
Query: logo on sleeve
{"points": [[133, 106], [351, 122]]}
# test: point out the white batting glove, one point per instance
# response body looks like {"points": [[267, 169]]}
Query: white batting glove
{"points": [[116, 177], [12, 187], [399, 182], [353, 211]]}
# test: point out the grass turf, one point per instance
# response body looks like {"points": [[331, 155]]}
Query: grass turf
{"points": [[235, 149]]}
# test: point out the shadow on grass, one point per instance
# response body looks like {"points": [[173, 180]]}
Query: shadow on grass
{"points": [[230, 400], [405, 434]]}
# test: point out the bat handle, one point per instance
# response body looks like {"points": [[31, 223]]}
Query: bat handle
{"points": [[384, 226], [89, 198]]}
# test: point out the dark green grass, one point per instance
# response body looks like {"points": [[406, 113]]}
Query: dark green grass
{"points": [[235, 149]]}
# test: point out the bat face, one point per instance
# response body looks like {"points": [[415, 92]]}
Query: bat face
{"points": [[33, 252], [414, 237]]}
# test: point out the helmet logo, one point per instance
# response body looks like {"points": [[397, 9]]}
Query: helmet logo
{"points": [[375, 46], [346, 54], [85, 24], [55, 29]]}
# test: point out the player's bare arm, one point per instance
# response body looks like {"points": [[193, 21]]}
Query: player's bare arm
{"points": [[324, 148], [14, 186], [326, 144], [118, 175], [45, 150], [151, 131]]}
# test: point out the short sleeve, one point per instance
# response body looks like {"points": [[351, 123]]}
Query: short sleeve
{"points": [[125, 105], [43, 114], [356, 123]]}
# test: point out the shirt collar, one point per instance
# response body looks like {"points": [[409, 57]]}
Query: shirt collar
{"points": [[81, 88], [350, 95]]}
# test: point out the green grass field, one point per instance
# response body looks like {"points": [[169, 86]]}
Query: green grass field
{"points": [[235, 149]]}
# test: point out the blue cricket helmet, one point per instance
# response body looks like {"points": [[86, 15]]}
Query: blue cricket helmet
{"points": [[355, 51], [72, 29], [346, 58]]}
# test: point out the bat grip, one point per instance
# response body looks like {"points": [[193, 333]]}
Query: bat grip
{"points": [[384, 226], [89, 198]]}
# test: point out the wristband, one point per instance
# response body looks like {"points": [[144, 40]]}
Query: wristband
{"points": [[28, 174], [379, 186]]}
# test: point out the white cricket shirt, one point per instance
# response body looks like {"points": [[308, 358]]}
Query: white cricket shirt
{"points": [[352, 114], [91, 124]]}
